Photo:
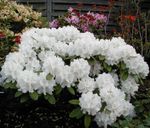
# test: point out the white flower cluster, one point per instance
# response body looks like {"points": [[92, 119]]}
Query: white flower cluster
{"points": [[114, 98], [42, 62]]}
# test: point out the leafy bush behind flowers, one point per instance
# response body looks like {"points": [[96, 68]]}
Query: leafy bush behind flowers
{"points": [[13, 14], [134, 24], [104, 73]]}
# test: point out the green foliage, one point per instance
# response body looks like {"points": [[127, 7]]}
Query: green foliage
{"points": [[50, 98], [101, 58], [18, 94], [87, 121], [107, 67], [71, 90], [34, 96], [10, 85], [74, 102], [124, 74], [57, 89], [76, 113]]}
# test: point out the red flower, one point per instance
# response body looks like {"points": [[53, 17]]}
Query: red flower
{"points": [[2, 35], [132, 18], [129, 17], [17, 39]]}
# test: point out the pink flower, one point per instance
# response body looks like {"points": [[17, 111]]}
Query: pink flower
{"points": [[54, 24], [2, 35], [70, 9], [72, 19], [17, 39], [100, 17], [84, 28]]}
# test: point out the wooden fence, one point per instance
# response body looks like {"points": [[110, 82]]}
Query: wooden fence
{"points": [[54, 8]]}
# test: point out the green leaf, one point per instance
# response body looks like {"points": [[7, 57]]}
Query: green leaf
{"points": [[50, 98], [104, 104], [101, 58], [17, 94], [49, 77], [10, 85], [74, 102], [124, 75], [87, 121], [107, 67], [24, 98], [71, 90], [123, 66], [91, 61], [141, 81], [58, 89], [76, 113], [34, 96]]}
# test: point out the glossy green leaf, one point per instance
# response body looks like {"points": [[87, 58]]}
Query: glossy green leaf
{"points": [[34, 96], [76, 113], [50, 98], [107, 67], [87, 121], [101, 58], [58, 89], [71, 90], [124, 75], [123, 66], [74, 102], [17, 94]]}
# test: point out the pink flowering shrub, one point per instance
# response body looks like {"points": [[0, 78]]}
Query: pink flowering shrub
{"points": [[92, 22]]}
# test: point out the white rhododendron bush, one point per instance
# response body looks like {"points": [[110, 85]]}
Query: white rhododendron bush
{"points": [[105, 74]]}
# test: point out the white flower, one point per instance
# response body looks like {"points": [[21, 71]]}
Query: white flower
{"points": [[90, 103], [115, 77], [27, 81], [80, 68], [86, 84], [115, 55], [45, 86], [129, 86], [105, 118], [137, 65], [104, 80]]}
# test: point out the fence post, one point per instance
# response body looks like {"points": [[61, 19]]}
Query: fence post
{"points": [[49, 9]]}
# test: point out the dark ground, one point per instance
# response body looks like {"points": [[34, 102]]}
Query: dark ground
{"points": [[36, 114]]}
